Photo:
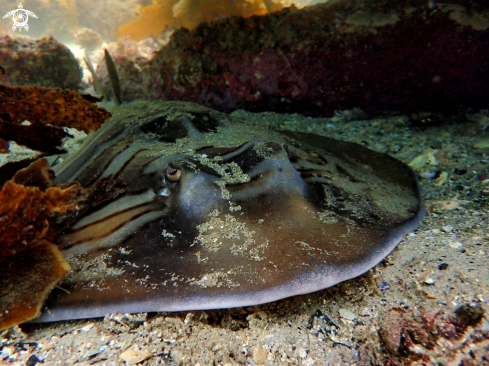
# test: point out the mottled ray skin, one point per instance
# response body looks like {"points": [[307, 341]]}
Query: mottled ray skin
{"points": [[218, 213]]}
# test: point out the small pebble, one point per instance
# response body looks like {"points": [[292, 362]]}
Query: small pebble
{"points": [[456, 244], [460, 171], [384, 285], [301, 352], [387, 126], [33, 360], [447, 229], [442, 179], [347, 314], [428, 175], [429, 281], [365, 312], [86, 328], [482, 144], [442, 266], [418, 350], [419, 162], [135, 355], [259, 354], [289, 339], [450, 204]]}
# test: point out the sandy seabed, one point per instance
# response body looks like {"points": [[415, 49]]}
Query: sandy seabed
{"points": [[442, 265]]}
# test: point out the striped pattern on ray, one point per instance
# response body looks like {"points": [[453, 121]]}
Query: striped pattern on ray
{"points": [[214, 212]]}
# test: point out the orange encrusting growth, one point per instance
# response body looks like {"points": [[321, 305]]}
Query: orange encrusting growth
{"points": [[26, 280], [63, 108], [33, 212], [172, 14], [25, 213], [30, 265]]}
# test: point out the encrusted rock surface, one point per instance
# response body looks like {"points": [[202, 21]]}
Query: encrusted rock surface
{"points": [[317, 60], [44, 62]]}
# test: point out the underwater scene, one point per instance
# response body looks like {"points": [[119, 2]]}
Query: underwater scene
{"points": [[244, 182]]}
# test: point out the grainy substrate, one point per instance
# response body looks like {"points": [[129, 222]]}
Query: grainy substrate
{"points": [[441, 265]]}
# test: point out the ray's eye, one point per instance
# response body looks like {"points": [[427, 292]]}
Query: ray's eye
{"points": [[172, 174]]}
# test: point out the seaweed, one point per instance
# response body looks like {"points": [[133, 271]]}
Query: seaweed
{"points": [[35, 136], [35, 117], [189, 14], [33, 213], [31, 264], [55, 107], [113, 77]]}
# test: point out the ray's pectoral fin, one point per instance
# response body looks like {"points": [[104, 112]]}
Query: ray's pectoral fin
{"points": [[226, 226]]}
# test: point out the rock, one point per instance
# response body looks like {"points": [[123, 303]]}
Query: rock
{"points": [[347, 314], [44, 62], [86, 328], [135, 355], [335, 56], [301, 352], [413, 333], [259, 354], [482, 144]]}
